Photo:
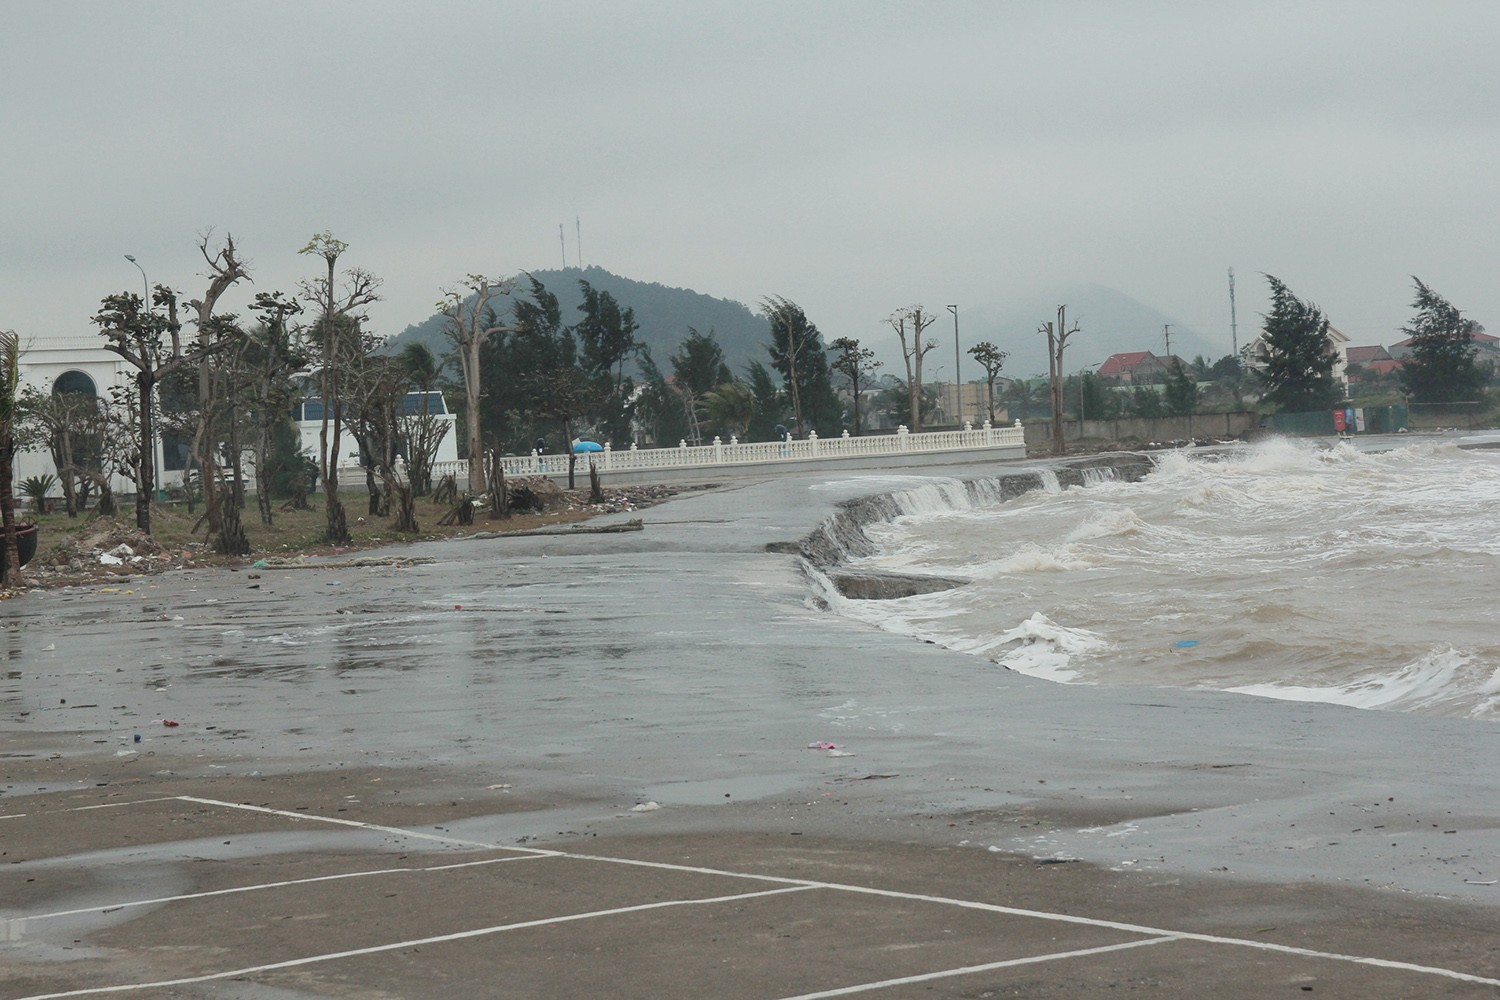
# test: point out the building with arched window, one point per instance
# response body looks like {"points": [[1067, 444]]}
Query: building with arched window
{"points": [[77, 365], [81, 366]]}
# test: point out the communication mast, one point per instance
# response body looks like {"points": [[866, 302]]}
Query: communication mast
{"points": [[1234, 334]]}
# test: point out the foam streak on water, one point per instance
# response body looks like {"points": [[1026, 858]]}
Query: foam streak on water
{"points": [[1283, 570]]}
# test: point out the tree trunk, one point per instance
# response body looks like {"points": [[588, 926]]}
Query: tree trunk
{"points": [[338, 523], [146, 465], [65, 476], [914, 389], [263, 473], [471, 418], [231, 536], [13, 578]]}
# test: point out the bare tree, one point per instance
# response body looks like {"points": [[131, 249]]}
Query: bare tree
{"points": [[421, 430], [224, 270], [341, 309], [471, 321], [67, 425], [909, 325], [1057, 340], [991, 359]]}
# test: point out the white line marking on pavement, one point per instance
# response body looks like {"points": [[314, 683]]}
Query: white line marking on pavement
{"points": [[277, 885], [376, 827], [896, 894], [1067, 918], [412, 943], [971, 969], [102, 805]]}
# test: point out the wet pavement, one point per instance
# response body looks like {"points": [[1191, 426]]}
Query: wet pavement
{"points": [[534, 718]]}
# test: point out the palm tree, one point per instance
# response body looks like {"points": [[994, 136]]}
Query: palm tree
{"points": [[730, 407]]}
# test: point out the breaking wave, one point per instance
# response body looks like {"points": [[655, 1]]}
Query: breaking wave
{"points": [[1282, 570]]}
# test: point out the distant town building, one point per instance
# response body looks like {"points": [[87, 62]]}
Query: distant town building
{"points": [[1138, 367], [1338, 342]]}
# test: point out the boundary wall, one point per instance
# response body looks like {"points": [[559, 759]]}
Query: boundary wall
{"points": [[761, 458]]}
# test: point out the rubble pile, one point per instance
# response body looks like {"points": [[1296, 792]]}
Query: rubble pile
{"points": [[111, 547], [623, 498]]}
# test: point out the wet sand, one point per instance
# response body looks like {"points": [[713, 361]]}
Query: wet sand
{"points": [[551, 691]]}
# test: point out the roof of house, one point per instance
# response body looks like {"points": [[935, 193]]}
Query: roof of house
{"points": [[1365, 355], [1119, 364], [1478, 336]]}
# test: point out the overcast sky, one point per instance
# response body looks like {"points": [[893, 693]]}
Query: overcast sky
{"points": [[853, 157]]}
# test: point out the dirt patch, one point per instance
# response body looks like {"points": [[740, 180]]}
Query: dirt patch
{"points": [[84, 550]]}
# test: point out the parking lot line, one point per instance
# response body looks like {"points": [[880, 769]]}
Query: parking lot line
{"points": [[108, 907], [374, 827], [412, 943], [794, 883], [967, 970]]}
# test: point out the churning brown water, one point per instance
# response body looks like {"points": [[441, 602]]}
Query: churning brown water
{"points": [[1284, 569]]}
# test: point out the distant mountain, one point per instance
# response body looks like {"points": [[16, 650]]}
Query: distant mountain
{"points": [[1109, 322], [664, 315]]}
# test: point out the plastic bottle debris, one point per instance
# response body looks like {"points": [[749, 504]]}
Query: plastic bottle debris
{"points": [[1185, 643], [646, 807]]}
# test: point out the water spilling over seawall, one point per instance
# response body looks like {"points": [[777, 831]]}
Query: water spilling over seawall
{"points": [[1285, 569], [841, 539]]}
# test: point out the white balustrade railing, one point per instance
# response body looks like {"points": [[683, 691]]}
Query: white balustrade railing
{"points": [[767, 453]]}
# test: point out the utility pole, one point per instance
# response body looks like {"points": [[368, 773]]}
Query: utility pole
{"points": [[561, 239], [1166, 328], [578, 243]]}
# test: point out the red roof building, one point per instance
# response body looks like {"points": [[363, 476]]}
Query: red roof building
{"points": [[1123, 367]]}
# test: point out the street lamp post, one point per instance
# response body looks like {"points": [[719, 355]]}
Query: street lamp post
{"points": [[958, 385], [145, 285]]}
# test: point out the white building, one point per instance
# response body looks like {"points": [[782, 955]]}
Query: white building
{"points": [[82, 365]]}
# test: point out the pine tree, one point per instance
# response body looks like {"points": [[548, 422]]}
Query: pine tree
{"points": [[1180, 391], [1295, 353], [1442, 366]]}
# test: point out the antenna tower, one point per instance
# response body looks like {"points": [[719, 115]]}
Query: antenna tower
{"points": [[1234, 333], [1166, 329], [578, 244], [563, 240]]}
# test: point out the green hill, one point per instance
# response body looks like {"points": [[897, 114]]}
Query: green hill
{"points": [[664, 315]]}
